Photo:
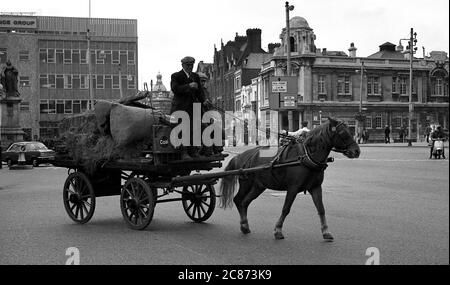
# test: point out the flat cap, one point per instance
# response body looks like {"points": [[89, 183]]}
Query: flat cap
{"points": [[188, 59]]}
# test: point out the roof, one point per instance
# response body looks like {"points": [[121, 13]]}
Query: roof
{"points": [[387, 54]]}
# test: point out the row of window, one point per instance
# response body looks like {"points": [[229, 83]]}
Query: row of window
{"points": [[63, 106], [398, 120], [344, 84], [81, 81], [79, 56]]}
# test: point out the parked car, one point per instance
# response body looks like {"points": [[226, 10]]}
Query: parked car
{"points": [[35, 153]]}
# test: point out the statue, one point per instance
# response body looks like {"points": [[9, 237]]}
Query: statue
{"points": [[9, 80]]}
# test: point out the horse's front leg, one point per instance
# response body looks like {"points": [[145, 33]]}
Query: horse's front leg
{"points": [[289, 200], [316, 194]]}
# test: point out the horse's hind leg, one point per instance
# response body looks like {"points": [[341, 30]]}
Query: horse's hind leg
{"points": [[316, 195], [289, 200], [244, 189], [244, 201]]}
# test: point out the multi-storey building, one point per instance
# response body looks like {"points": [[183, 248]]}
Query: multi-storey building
{"points": [[234, 66], [51, 54], [328, 83]]}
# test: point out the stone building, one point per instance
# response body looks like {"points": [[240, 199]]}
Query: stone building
{"points": [[51, 56], [328, 83]]}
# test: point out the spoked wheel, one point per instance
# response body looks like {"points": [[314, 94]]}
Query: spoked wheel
{"points": [[79, 197], [137, 203], [199, 201]]}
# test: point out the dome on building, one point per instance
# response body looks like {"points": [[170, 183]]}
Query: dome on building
{"points": [[159, 86], [298, 22]]}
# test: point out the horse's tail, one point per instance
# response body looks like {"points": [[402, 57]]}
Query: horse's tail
{"points": [[228, 186]]}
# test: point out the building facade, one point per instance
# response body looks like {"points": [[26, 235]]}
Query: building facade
{"points": [[328, 83], [51, 54]]}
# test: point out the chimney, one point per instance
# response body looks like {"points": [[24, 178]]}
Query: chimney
{"points": [[272, 47], [254, 40], [352, 50], [399, 47], [324, 51]]}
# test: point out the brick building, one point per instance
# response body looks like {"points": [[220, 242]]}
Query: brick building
{"points": [[51, 56]]}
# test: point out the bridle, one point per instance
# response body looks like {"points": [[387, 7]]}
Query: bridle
{"points": [[343, 137]]}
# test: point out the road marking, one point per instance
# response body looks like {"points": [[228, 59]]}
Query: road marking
{"points": [[393, 160]]}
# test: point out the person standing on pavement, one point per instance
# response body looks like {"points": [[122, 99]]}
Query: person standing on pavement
{"points": [[186, 87], [428, 133], [438, 134], [387, 132]]}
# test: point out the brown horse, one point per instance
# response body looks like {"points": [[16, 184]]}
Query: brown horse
{"points": [[308, 176]]}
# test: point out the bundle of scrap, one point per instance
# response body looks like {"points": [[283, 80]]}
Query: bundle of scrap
{"points": [[113, 130]]}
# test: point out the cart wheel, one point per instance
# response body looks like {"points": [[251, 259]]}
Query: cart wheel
{"points": [[79, 197], [137, 203], [199, 201]]}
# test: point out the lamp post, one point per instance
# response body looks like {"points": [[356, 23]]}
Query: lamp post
{"points": [[88, 56], [360, 118], [288, 42], [411, 49]]}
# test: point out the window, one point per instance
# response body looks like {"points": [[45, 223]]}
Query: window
{"points": [[93, 57], [51, 107], [131, 82], [24, 106], [403, 84], [439, 86], [76, 81], [67, 56], [100, 57], [3, 55], [43, 55], [68, 107], [368, 122], [83, 56], [60, 106], [131, 57], [84, 104], [292, 44], [43, 81], [237, 83], [108, 56], [67, 81], [84, 81], [123, 57], [108, 81], [115, 83], [59, 56], [76, 105], [124, 82], [24, 55], [321, 84], [59, 81], [115, 57], [373, 85], [76, 56], [343, 85], [394, 85], [24, 81], [100, 83], [51, 55], [378, 121]]}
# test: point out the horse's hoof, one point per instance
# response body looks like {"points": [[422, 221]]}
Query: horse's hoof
{"points": [[328, 237], [245, 230], [279, 235]]}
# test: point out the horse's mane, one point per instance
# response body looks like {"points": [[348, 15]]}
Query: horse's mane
{"points": [[319, 136]]}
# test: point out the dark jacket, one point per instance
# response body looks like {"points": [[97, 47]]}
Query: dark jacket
{"points": [[183, 95]]}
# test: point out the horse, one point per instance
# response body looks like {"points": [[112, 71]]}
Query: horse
{"points": [[312, 152]]}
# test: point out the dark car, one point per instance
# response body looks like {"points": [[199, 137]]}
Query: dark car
{"points": [[35, 153]]}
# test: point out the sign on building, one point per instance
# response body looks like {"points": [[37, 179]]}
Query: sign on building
{"points": [[283, 92], [18, 22]]}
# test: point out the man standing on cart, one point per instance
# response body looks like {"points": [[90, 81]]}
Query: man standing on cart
{"points": [[187, 90]]}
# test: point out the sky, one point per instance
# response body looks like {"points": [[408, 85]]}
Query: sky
{"points": [[168, 30]]}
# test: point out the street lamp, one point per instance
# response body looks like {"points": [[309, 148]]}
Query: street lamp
{"points": [[288, 42], [411, 49], [88, 57], [360, 117]]}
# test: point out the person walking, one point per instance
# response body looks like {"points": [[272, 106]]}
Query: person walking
{"points": [[387, 132], [428, 133]]}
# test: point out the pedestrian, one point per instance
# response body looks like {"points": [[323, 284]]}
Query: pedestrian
{"points": [[364, 136], [387, 132], [428, 133], [401, 134], [186, 87]]}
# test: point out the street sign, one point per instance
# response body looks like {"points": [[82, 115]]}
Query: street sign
{"points": [[289, 101], [279, 86]]}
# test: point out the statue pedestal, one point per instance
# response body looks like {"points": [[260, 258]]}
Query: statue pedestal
{"points": [[10, 130]]}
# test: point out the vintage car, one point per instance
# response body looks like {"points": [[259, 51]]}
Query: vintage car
{"points": [[35, 153]]}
